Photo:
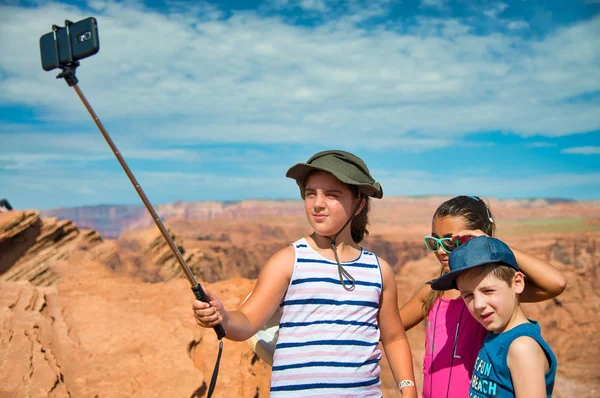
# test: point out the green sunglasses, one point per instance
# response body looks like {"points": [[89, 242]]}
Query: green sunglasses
{"points": [[433, 244]]}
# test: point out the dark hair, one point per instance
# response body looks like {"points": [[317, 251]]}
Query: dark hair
{"points": [[358, 225], [477, 215], [472, 209]]}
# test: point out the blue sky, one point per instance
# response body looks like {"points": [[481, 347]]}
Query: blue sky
{"points": [[215, 100]]}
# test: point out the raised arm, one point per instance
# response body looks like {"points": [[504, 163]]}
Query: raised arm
{"points": [[260, 306], [543, 281], [393, 337], [411, 313]]}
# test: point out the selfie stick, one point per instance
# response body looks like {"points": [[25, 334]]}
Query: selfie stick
{"points": [[68, 73]]}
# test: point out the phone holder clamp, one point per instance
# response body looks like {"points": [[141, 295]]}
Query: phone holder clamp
{"points": [[68, 73]]}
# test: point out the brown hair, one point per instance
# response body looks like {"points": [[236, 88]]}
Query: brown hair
{"points": [[358, 225], [476, 215], [500, 271]]}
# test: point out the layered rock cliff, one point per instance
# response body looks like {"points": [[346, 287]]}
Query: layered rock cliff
{"points": [[30, 246], [83, 316]]}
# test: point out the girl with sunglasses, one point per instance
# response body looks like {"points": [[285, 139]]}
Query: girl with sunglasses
{"points": [[453, 337]]}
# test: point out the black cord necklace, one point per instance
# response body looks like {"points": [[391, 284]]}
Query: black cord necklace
{"points": [[341, 270], [453, 350]]}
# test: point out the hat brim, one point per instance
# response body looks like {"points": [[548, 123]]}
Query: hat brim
{"points": [[448, 280], [299, 172], [480, 250]]}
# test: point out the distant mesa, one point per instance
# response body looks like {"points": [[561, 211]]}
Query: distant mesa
{"points": [[112, 220]]}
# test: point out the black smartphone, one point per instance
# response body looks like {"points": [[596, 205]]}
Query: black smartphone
{"points": [[73, 42], [84, 38]]}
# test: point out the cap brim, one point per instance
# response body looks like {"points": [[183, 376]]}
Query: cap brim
{"points": [[299, 172], [446, 281]]}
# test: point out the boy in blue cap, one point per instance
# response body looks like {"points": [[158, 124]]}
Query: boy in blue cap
{"points": [[514, 361]]}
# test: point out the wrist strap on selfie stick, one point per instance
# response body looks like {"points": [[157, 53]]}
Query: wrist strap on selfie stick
{"points": [[68, 73]]}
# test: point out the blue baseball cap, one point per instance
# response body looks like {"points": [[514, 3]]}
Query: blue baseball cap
{"points": [[475, 252]]}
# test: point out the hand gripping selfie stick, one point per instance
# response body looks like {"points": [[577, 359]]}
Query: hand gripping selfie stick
{"points": [[63, 52]]}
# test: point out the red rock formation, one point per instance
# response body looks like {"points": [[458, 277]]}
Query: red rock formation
{"points": [[30, 246], [102, 329], [96, 335]]}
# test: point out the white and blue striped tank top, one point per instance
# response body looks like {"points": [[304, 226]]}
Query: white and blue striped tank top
{"points": [[328, 336]]}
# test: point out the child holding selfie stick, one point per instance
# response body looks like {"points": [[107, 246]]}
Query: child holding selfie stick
{"points": [[453, 337], [514, 361], [337, 300]]}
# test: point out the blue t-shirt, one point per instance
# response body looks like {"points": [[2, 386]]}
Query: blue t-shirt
{"points": [[491, 376]]}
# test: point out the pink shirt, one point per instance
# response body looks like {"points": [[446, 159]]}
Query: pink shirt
{"points": [[452, 341]]}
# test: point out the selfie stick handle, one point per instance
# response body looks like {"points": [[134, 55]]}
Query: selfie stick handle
{"points": [[196, 288]]}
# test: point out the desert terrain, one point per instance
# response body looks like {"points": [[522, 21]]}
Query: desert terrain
{"points": [[94, 306]]}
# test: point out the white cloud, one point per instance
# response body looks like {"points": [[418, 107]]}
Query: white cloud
{"points": [[35, 151], [495, 10], [548, 185], [582, 150], [255, 78], [314, 5], [517, 25], [185, 87], [439, 4]]}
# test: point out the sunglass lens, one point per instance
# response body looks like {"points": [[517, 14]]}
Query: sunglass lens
{"points": [[431, 244], [449, 245]]}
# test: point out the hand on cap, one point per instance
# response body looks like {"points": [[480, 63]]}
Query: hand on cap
{"points": [[467, 234]]}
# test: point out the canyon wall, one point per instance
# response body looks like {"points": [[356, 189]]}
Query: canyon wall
{"points": [[83, 315]]}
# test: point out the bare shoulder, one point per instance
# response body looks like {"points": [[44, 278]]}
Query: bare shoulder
{"points": [[525, 351], [384, 265], [524, 345], [280, 264], [276, 274], [387, 273], [528, 365], [284, 255]]}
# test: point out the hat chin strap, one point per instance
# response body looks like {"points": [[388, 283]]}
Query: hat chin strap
{"points": [[341, 270]]}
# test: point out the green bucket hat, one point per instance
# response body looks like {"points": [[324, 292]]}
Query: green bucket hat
{"points": [[346, 167]]}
